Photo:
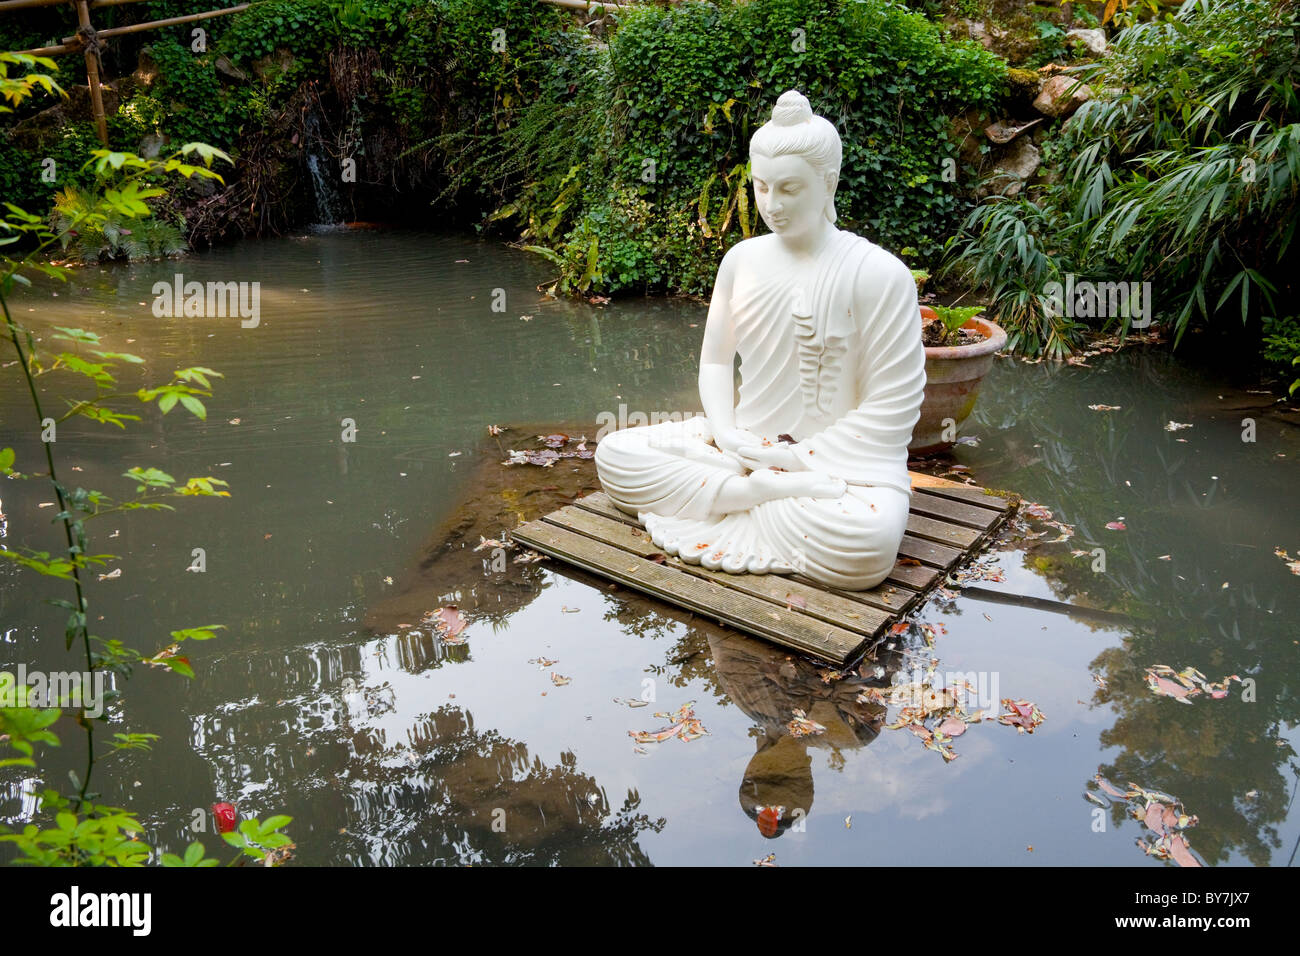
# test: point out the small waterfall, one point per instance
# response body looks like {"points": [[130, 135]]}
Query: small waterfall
{"points": [[324, 179]]}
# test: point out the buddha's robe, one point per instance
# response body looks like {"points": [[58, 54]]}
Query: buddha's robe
{"points": [[846, 386]]}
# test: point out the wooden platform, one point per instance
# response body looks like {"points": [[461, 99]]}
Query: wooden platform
{"points": [[947, 525]]}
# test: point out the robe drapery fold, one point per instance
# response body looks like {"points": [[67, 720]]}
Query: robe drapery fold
{"points": [[846, 386]]}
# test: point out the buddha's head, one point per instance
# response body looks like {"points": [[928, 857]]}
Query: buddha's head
{"points": [[795, 164]]}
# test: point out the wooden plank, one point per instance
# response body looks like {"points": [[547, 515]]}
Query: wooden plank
{"points": [[934, 530], [956, 512], [958, 491], [599, 503], [902, 599], [919, 577], [928, 552], [753, 615], [854, 615]]}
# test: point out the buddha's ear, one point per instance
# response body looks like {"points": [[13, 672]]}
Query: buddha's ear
{"points": [[832, 181]]}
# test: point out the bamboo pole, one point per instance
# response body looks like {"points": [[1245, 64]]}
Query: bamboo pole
{"points": [[92, 72], [52, 50], [169, 22], [73, 44], [586, 5]]}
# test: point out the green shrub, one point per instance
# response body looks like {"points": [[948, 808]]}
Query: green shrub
{"points": [[1282, 343], [676, 116], [1185, 178]]}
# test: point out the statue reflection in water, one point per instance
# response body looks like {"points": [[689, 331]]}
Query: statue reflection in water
{"points": [[776, 791]]}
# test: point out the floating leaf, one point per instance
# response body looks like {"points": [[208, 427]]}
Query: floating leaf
{"points": [[449, 622], [803, 726], [952, 727]]}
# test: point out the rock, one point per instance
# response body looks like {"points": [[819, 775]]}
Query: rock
{"points": [[978, 30], [1018, 163], [968, 131], [151, 145], [1002, 133], [1022, 88], [146, 69], [1061, 95], [273, 64], [1021, 159], [201, 186], [1094, 40], [229, 70]]}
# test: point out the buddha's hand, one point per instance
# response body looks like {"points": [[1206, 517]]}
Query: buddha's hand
{"points": [[731, 439], [770, 485], [757, 455]]}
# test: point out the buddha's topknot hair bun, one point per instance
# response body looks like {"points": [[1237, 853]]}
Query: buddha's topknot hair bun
{"points": [[792, 109]]}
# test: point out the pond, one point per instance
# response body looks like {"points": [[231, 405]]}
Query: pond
{"points": [[327, 698]]}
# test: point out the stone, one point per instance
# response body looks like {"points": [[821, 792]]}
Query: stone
{"points": [[1093, 39], [228, 69], [146, 69], [807, 471], [1061, 95], [1002, 133], [985, 34], [151, 145], [976, 30], [1017, 165], [968, 131], [273, 64]]}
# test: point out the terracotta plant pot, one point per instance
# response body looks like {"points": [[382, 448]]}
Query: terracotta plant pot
{"points": [[952, 383]]}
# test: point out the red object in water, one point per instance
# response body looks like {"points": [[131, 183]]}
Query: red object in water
{"points": [[768, 820], [226, 816]]}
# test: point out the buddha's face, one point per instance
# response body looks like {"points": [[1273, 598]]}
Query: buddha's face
{"points": [[790, 193]]}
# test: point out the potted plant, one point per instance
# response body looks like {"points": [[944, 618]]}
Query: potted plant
{"points": [[959, 351]]}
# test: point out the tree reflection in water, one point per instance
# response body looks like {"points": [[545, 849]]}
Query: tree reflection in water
{"points": [[451, 793], [1221, 602]]}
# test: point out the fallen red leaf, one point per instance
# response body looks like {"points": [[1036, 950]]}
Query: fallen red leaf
{"points": [[1181, 852]]}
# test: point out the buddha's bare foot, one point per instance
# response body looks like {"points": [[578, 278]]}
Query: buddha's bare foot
{"points": [[768, 485]]}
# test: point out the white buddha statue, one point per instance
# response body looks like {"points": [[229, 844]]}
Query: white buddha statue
{"points": [[807, 471]]}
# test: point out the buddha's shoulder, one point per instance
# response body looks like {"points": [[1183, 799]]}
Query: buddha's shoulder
{"points": [[750, 250], [880, 271]]}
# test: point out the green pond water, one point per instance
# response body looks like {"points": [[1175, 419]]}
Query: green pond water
{"points": [[388, 747]]}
